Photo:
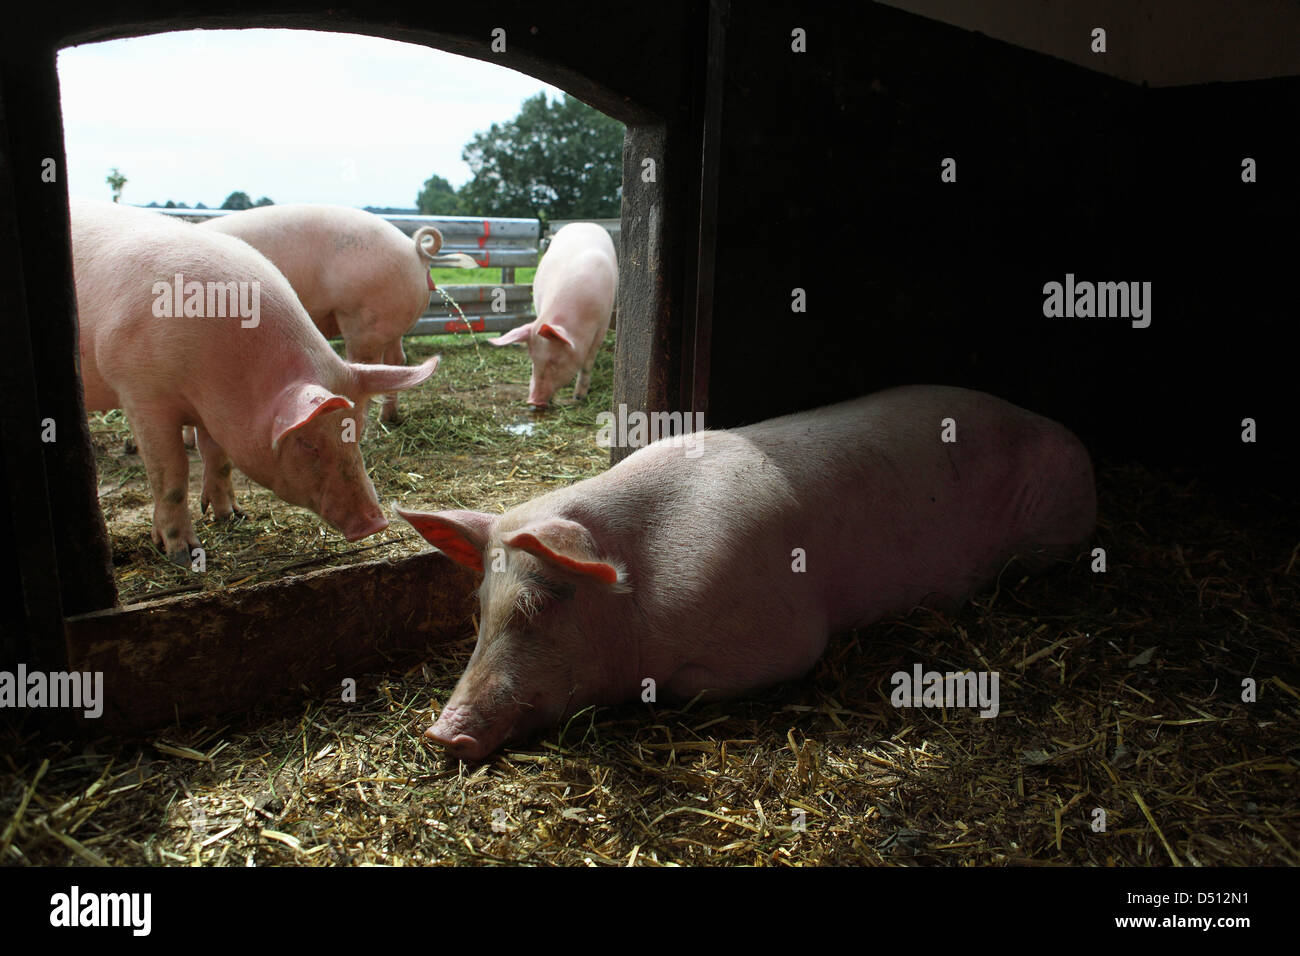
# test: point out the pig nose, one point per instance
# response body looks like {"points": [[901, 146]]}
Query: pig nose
{"points": [[458, 745], [365, 529]]}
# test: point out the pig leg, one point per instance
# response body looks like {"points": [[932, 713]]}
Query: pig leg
{"points": [[218, 487], [583, 383], [393, 355], [128, 447], [168, 468]]}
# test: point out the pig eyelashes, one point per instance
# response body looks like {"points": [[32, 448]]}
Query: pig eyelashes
{"points": [[538, 591]]}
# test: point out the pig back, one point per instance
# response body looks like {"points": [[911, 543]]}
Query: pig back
{"points": [[895, 516], [745, 549], [126, 259], [580, 263], [337, 259]]}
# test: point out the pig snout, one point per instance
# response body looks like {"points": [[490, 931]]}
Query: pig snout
{"points": [[364, 527], [352, 507], [483, 713], [453, 732], [539, 395], [469, 735]]}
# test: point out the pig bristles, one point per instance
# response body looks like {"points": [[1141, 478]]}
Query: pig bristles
{"points": [[621, 583], [529, 600]]}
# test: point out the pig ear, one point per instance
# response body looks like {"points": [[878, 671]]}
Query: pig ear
{"points": [[514, 336], [298, 405], [548, 331], [460, 535], [565, 546], [380, 379]]}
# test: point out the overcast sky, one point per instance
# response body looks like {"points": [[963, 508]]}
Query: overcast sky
{"points": [[298, 116]]}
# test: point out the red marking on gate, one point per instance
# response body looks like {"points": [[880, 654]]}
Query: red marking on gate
{"points": [[459, 325]]}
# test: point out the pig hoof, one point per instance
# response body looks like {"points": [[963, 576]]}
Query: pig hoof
{"points": [[128, 446], [220, 513], [180, 557]]}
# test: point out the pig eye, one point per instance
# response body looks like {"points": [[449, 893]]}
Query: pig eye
{"points": [[559, 591], [537, 592], [308, 445]]}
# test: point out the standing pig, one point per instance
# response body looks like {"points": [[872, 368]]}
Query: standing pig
{"points": [[357, 275], [682, 564], [183, 326], [573, 292]]}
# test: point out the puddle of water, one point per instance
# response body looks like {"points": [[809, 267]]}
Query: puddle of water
{"points": [[521, 428]]}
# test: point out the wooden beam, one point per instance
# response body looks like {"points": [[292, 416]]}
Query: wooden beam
{"points": [[698, 351], [224, 651], [647, 350]]}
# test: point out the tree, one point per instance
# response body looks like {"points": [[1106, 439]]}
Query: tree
{"points": [[237, 200], [115, 182], [555, 160], [438, 198], [265, 201]]}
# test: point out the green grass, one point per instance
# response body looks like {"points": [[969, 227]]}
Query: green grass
{"points": [[489, 276]]}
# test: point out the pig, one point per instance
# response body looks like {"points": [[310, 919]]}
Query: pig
{"points": [[722, 565], [357, 275], [573, 293], [262, 386]]}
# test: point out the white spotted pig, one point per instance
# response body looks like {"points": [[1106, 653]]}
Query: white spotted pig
{"points": [[573, 292], [184, 326], [723, 565], [357, 275]]}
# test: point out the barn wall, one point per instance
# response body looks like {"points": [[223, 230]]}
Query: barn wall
{"points": [[1157, 42], [830, 182]]}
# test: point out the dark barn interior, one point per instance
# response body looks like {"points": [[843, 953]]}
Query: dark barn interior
{"points": [[776, 170]]}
